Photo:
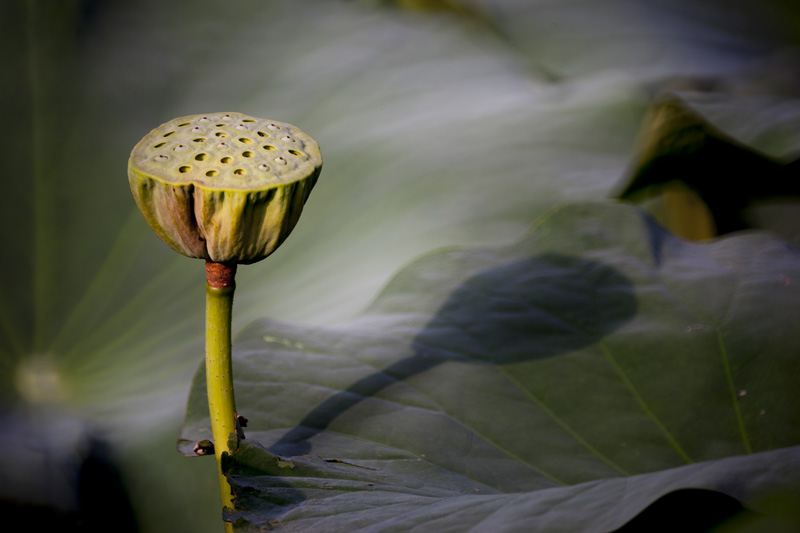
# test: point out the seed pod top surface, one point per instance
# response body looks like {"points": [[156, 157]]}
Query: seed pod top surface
{"points": [[223, 186], [226, 150]]}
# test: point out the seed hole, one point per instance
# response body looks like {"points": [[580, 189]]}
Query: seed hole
{"points": [[295, 152], [184, 169], [182, 124], [239, 172], [262, 134], [221, 134], [247, 154], [248, 120], [200, 157], [159, 145], [168, 134], [225, 160], [211, 173], [219, 125], [245, 140], [268, 147], [199, 140]]}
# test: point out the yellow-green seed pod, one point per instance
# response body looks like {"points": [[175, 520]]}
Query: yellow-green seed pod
{"points": [[225, 187]]}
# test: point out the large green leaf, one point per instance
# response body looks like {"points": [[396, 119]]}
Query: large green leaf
{"points": [[588, 369]]}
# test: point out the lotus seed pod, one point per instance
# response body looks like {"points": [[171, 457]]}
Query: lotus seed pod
{"points": [[225, 187]]}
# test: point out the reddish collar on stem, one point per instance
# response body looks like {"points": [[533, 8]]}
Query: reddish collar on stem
{"points": [[220, 275]]}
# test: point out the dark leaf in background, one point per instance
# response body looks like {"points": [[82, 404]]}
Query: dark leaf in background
{"points": [[682, 149]]}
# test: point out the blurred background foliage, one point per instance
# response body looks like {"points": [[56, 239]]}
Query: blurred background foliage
{"points": [[441, 122]]}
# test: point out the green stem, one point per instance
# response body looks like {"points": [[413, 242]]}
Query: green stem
{"points": [[219, 374]]}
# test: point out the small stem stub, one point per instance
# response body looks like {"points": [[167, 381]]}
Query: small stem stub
{"points": [[220, 275]]}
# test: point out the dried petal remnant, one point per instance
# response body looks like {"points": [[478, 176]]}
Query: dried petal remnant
{"points": [[223, 201]]}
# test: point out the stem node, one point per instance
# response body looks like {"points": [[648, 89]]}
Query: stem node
{"points": [[220, 275]]}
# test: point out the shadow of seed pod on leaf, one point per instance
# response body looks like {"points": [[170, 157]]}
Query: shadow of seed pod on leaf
{"points": [[224, 187]]}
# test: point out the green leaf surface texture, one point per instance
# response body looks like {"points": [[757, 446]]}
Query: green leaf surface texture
{"points": [[588, 369]]}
